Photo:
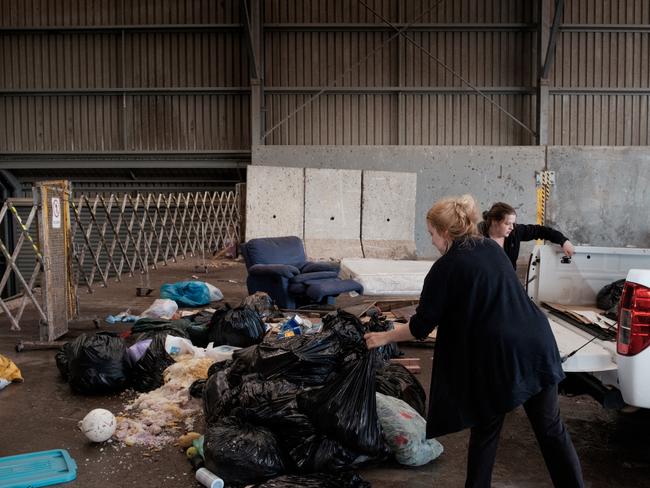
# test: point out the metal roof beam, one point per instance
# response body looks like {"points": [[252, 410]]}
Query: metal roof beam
{"points": [[179, 90], [42, 163], [118, 28], [640, 28], [514, 90], [363, 27]]}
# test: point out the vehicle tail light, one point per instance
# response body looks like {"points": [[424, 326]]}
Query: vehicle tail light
{"points": [[633, 320]]}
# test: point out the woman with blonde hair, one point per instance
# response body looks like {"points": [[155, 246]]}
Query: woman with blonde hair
{"points": [[494, 348]]}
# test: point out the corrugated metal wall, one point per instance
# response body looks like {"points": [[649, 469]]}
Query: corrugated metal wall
{"points": [[600, 91], [173, 76], [122, 75], [413, 99], [106, 12], [405, 10]]}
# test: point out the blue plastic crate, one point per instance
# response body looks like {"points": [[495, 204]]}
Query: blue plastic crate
{"points": [[36, 469]]}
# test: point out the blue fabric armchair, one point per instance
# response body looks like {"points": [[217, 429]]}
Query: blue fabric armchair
{"points": [[279, 267]]}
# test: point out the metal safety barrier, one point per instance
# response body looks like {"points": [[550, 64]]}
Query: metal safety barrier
{"points": [[103, 237], [124, 233], [13, 306]]}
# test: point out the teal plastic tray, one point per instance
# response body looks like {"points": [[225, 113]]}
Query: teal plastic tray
{"points": [[36, 469]]}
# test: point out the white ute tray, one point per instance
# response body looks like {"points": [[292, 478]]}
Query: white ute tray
{"points": [[595, 356]]}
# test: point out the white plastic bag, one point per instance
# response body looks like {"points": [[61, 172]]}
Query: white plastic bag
{"points": [[161, 308], [215, 293], [220, 353], [176, 346], [405, 432]]}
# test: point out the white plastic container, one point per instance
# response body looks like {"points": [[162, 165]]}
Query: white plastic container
{"points": [[208, 479]]}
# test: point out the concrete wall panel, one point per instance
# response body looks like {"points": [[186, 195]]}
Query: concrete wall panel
{"points": [[601, 195], [490, 174], [332, 213], [275, 202], [388, 214]]}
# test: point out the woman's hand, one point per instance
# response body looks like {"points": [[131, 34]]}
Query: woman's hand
{"points": [[568, 248], [376, 339], [401, 332]]}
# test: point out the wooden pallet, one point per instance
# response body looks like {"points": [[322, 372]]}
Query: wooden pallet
{"points": [[412, 364]]}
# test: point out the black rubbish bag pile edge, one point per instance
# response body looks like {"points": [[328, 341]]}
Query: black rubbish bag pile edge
{"points": [[397, 381], [242, 453], [95, 364]]}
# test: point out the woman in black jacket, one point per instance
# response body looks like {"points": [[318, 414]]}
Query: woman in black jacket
{"points": [[499, 224], [494, 348]]}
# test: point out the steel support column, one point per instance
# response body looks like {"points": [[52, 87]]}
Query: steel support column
{"points": [[252, 10], [546, 39], [401, 81]]}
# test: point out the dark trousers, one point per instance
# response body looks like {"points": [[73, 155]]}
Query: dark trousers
{"points": [[543, 412]]}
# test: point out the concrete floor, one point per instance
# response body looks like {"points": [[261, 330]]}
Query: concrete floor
{"points": [[42, 413]]}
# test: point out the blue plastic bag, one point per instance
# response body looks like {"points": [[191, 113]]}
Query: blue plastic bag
{"points": [[190, 293]]}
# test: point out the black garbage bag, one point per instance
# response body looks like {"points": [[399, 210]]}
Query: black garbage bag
{"points": [[243, 363], [201, 317], [397, 381], [292, 430], [320, 453], [317, 480], [242, 453], [306, 359], [62, 358], [199, 334], [239, 327], [377, 324], [97, 364], [148, 327], [147, 373], [269, 396], [219, 397], [273, 404], [197, 388], [262, 303], [220, 366], [198, 329], [346, 409], [608, 298], [348, 330]]}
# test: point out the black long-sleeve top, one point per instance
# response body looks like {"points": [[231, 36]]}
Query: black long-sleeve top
{"points": [[525, 232], [494, 347]]}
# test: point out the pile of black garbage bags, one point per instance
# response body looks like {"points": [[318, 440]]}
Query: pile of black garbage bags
{"points": [[293, 412], [107, 362], [304, 404]]}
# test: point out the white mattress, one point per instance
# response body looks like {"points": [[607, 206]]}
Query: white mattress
{"points": [[385, 276]]}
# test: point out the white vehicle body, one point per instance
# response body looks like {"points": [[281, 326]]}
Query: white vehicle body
{"points": [[590, 355]]}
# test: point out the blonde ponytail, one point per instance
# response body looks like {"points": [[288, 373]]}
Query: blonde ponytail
{"points": [[456, 216]]}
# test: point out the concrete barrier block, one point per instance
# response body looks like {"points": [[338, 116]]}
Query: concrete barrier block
{"points": [[332, 213], [275, 201], [388, 214]]}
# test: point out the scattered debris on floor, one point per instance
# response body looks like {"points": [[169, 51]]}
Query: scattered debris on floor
{"points": [[282, 396], [154, 419]]}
